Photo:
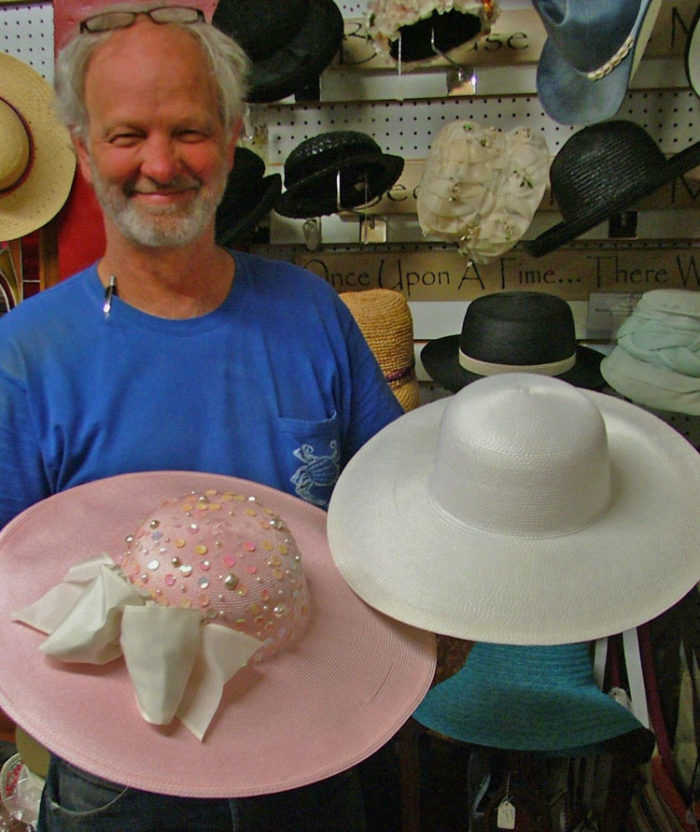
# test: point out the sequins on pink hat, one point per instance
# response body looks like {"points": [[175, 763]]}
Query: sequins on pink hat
{"points": [[229, 556]]}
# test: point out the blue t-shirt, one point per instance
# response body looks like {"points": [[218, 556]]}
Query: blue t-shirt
{"points": [[277, 385]]}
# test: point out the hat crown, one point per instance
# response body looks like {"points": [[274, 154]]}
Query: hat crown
{"points": [[15, 147], [518, 329], [590, 33], [601, 160], [521, 454], [325, 150], [385, 320], [228, 556], [261, 28]]}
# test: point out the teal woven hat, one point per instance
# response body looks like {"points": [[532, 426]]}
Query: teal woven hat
{"points": [[526, 698]]}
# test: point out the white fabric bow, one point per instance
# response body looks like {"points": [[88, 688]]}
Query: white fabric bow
{"points": [[177, 664]]}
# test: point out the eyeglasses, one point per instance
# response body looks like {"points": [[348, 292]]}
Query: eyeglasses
{"points": [[107, 21]]}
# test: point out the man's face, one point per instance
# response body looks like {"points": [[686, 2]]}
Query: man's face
{"points": [[155, 152]]}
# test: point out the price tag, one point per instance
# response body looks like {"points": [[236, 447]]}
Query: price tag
{"points": [[505, 818]]}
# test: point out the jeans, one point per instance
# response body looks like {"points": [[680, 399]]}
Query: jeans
{"points": [[76, 801]]}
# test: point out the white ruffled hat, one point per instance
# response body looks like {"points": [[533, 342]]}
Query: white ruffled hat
{"points": [[481, 187]]}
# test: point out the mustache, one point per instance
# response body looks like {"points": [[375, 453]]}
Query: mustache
{"points": [[151, 186]]}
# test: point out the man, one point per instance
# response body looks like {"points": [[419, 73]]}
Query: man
{"points": [[173, 353]]}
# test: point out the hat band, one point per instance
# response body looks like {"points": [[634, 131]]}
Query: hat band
{"points": [[609, 65], [491, 368], [21, 163]]}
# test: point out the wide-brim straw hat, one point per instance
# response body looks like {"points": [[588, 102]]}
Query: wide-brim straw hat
{"points": [[37, 162], [532, 698], [289, 42], [335, 171], [249, 196], [590, 55], [414, 32], [510, 332], [521, 510], [386, 322], [602, 169], [330, 700]]}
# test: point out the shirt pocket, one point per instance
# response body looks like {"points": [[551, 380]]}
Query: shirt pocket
{"points": [[313, 457]]}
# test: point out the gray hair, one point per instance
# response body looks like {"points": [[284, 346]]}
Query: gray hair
{"points": [[228, 63]]}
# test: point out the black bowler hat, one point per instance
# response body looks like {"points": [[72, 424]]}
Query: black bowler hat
{"points": [[335, 171], [513, 332], [289, 42], [248, 197]]}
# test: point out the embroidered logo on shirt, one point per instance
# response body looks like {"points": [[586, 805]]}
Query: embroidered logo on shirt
{"points": [[314, 479]]}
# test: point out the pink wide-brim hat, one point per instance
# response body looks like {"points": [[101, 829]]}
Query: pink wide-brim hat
{"points": [[328, 702]]}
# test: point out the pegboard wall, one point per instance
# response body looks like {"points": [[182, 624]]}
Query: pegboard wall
{"points": [[407, 128], [26, 32]]}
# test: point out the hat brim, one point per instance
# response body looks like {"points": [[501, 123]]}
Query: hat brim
{"points": [[569, 96], [620, 198], [316, 194], [46, 187], [303, 59], [232, 226], [405, 557], [659, 388], [507, 697], [440, 358], [327, 703]]}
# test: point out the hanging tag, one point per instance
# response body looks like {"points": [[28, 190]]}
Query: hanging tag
{"points": [[505, 817], [461, 80], [372, 230], [312, 233]]}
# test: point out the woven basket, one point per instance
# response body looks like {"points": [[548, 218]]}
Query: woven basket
{"points": [[385, 320]]}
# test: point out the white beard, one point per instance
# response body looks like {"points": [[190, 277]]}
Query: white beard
{"points": [[160, 226]]}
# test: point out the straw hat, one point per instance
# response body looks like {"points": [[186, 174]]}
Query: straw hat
{"points": [[37, 162], [602, 169], [316, 705], [590, 55], [385, 320], [335, 171], [522, 510], [480, 187], [416, 31], [510, 332], [656, 361], [289, 42], [526, 698]]}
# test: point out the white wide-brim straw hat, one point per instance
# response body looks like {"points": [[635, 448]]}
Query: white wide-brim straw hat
{"points": [[521, 510], [37, 162], [330, 700]]}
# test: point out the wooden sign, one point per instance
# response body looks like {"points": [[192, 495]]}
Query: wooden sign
{"points": [[518, 36], [571, 273]]}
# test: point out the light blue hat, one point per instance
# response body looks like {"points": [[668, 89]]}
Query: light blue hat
{"points": [[656, 361], [534, 698], [591, 53]]}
